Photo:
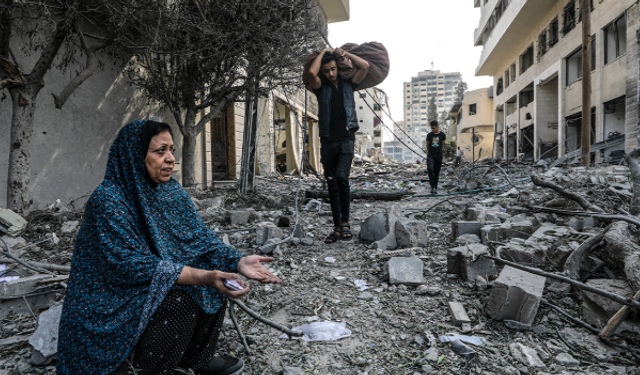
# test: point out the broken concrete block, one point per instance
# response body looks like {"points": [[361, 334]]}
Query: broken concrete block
{"points": [[241, 217], [266, 231], [404, 237], [419, 232], [526, 355], [11, 223], [20, 287], [374, 227], [270, 246], [467, 239], [459, 228], [45, 339], [575, 224], [407, 271], [468, 262], [515, 295], [459, 315], [566, 359], [69, 227], [597, 309], [503, 232]]}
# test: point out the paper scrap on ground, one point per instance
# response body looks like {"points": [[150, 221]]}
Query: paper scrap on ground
{"points": [[361, 284], [322, 331], [473, 340]]}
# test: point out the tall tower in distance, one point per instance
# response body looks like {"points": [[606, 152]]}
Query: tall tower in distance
{"points": [[416, 96]]}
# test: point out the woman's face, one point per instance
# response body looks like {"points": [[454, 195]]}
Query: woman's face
{"points": [[160, 160]]}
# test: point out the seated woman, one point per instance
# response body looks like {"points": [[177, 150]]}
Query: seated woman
{"points": [[147, 275]]}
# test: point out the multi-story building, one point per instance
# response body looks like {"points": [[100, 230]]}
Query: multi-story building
{"points": [[372, 108], [418, 93], [532, 49]]}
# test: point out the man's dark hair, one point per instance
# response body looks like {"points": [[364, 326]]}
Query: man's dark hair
{"points": [[328, 57], [434, 123]]}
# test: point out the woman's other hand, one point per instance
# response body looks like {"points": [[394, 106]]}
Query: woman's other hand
{"points": [[251, 267], [215, 279]]}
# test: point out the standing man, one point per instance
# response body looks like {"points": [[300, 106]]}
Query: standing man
{"points": [[337, 126], [458, 156], [435, 141]]}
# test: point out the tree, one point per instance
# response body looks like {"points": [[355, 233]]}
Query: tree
{"points": [[55, 34], [210, 53], [460, 90], [432, 110], [444, 125]]}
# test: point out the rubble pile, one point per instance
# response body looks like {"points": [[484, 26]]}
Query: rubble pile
{"points": [[500, 274]]}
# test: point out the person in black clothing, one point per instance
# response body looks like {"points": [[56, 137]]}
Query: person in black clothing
{"points": [[337, 126], [435, 141]]}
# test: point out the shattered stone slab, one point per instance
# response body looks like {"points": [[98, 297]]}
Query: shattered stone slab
{"points": [[11, 223], [516, 295], [45, 339], [468, 262], [406, 271], [503, 232], [20, 287], [526, 355], [459, 228]]}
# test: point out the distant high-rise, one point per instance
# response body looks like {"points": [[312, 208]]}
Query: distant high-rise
{"points": [[419, 92]]}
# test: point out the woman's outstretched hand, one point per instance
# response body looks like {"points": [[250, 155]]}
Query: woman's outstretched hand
{"points": [[251, 267]]}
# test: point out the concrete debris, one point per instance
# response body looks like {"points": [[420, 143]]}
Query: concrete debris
{"points": [[515, 296], [409, 288], [407, 271], [526, 355], [468, 262], [45, 339], [11, 223]]}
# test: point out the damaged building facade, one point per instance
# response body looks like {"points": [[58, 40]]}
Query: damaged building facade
{"points": [[532, 49], [372, 108], [472, 124]]}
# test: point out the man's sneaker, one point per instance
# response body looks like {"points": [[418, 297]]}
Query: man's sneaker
{"points": [[434, 191], [222, 366]]}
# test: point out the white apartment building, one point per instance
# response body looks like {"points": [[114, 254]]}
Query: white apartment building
{"points": [[532, 49], [372, 107], [417, 94]]}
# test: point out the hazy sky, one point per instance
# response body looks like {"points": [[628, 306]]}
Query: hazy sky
{"points": [[415, 32]]}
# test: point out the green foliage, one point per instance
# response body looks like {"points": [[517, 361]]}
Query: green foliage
{"points": [[449, 149], [460, 89]]}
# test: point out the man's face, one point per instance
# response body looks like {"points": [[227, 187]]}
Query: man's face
{"points": [[330, 71], [434, 128]]}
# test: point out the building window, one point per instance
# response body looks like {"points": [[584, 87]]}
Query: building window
{"points": [[574, 67], [593, 53], [499, 87], [512, 70], [361, 107], [377, 107], [569, 18], [526, 59], [363, 95], [615, 39], [542, 43], [553, 32], [526, 97], [472, 109], [506, 78]]}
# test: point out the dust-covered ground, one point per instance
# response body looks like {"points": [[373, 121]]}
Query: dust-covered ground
{"points": [[395, 329]]}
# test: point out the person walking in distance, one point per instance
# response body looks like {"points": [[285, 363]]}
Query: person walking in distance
{"points": [[458, 156], [337, 126], [435, 141]]}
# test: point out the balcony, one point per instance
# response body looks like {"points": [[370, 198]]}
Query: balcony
{"points": [[515, 24], [335, 10]]}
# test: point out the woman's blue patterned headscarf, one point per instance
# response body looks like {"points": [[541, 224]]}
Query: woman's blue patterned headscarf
{"points": [[134, 241]]}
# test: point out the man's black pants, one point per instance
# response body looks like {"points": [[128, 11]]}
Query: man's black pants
{"points": [[434, 163], [336, 159]]}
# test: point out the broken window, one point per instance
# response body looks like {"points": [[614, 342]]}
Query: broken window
{"points": [[553, 32], [574, 67], [526, 59], [472, 109], [526, 97], [569, 18], [615, 39], [499, 87], [542, 43]]}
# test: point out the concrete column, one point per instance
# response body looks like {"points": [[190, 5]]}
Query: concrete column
{"points": [[293, 140], [314, 146], [265, 158]]}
